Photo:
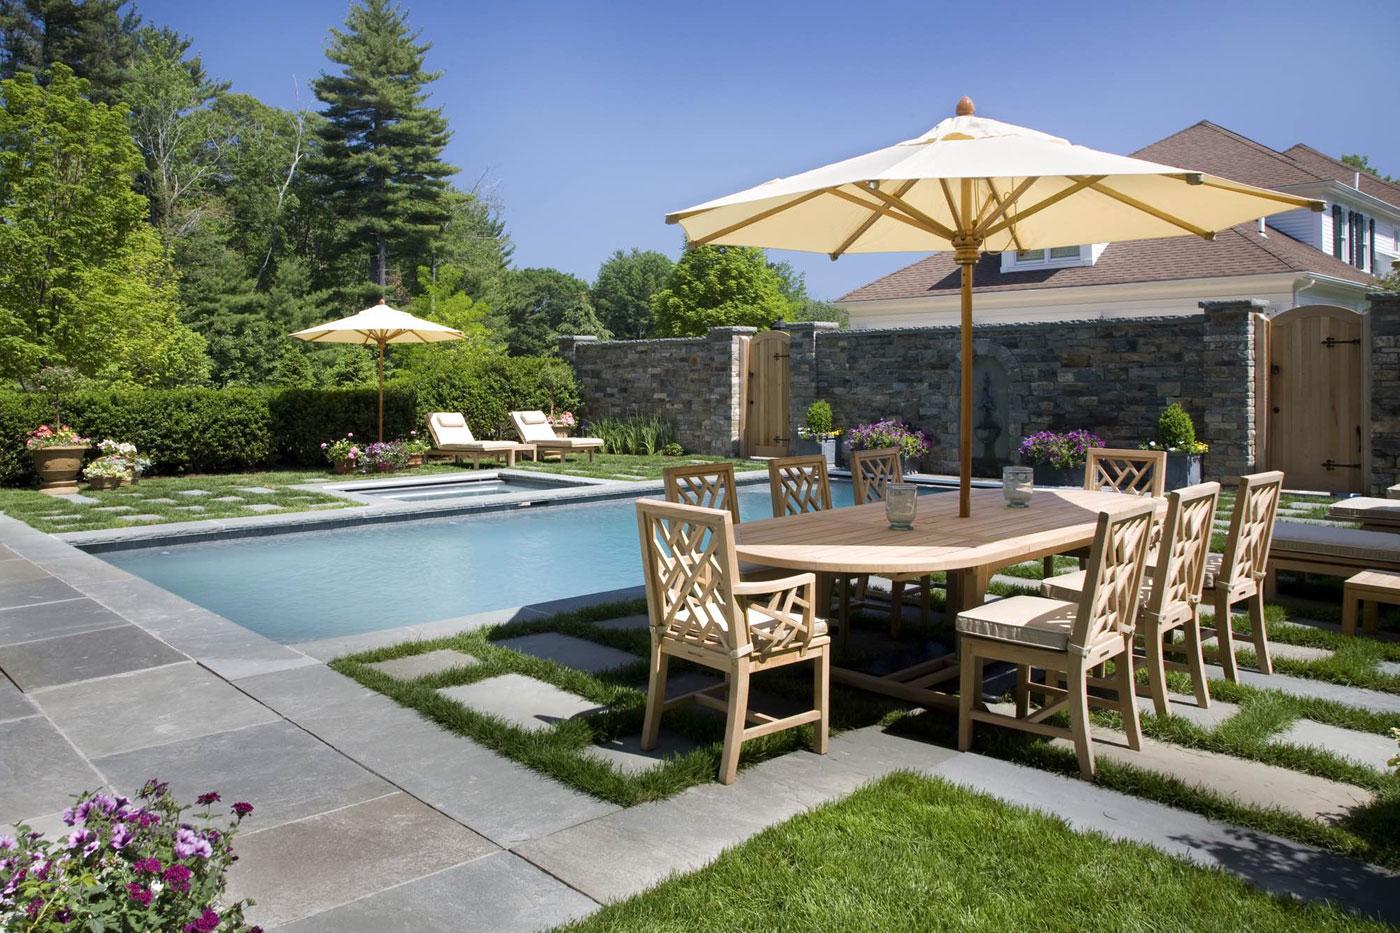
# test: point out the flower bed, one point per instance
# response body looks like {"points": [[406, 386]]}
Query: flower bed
{"points": [[1059, 457], [890, 432]]}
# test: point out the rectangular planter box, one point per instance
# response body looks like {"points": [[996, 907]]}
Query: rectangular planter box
{"points": [[1051, 476], [1183, 470], [827, 448]]}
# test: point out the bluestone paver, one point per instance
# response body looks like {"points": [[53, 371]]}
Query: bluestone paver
{"points": [[228, 499], [1390, 668], [45, 589], [52, 661], [577, 653], [51, 620], [279, 769], [421, 665], [256, 490], [1186, 708], [625, 623], [499, 893], [1365, 748], [626, 755], [262, 507], [309, 866], [154, 707], [1374, 700], [158, 500], [114, 508], [521, 701], [190, 508], [40, 771], [13, 703], [192, 493], [142, 517]]}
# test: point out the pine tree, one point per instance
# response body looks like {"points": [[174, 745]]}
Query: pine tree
{"points": [[92, 37], [381, 144]]}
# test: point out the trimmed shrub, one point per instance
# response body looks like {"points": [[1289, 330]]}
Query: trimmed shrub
{"points": [[487, 390], [302, 418]]}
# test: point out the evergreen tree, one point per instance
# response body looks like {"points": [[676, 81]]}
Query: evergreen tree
{"points": [[381, 144], [92, 37]]}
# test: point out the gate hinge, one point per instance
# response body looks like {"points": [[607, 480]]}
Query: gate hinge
{"points": [[1331, 342], [1329, 464]]}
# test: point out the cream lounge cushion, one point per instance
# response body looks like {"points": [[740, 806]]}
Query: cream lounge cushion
{"points": [[1393, 492], [1352, 544], [534, 428], [1022, 620], [450, 432]]}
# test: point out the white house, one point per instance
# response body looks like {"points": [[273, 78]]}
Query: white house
{"points": [[1294, 259]]}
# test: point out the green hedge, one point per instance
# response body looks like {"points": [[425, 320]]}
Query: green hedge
{"points": [[231, 430]]}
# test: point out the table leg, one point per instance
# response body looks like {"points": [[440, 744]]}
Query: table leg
{"points": [[967, 588]]}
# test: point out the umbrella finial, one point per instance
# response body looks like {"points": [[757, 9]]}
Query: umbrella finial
{"points": [[965, 108], [381, 300]]}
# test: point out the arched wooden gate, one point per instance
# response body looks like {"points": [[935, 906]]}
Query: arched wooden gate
{"points": [[766, 421], [1315, 428]]}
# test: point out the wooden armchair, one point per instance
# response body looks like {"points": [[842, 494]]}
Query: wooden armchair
{"points": [[1171, 596], [1116, 469], [799, 485], [701, 611], [707, 485], [872, 472], [1238, 574], [1065, 638]]}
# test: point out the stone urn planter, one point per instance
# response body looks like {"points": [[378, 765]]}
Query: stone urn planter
{"points": [[106, 482], [58, 468], [1054, 476], [1183, 470]]}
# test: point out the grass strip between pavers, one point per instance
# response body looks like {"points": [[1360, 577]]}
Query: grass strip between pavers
{"points": [[914, 853]]}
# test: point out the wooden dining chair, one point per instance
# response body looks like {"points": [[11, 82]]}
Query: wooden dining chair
{"points": [[799, 485], [1170, 594], [699, 610], [872, 472], [1238, 575], [708, 485], [1118, 469], [1065, 638]]}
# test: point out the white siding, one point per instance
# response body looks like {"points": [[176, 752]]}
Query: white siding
{"points": [[1312, 228]]}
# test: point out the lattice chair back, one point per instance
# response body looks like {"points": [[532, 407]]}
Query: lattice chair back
{"points": [[1251, 528], [708, 485], [872, 471], [1136, 472], [799, 485], [1183, 549], [1112, 589], [690, 569]]}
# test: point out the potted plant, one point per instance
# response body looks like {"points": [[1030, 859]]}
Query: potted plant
{"points": [[415, 450], [818, 435], [108, 472], [58, 457], [890, 432], [383, 457], [1058, 457], [563, 423], [342, 454], [1176, 434]]}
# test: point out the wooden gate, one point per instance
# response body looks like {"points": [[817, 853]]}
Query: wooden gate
{"points": [[1315, 431], [766, 422]]}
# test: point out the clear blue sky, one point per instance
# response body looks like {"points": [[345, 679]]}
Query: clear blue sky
{"points": [[590, 120]]}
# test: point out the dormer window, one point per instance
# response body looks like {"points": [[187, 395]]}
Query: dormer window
{"points": [[1055, 257]]}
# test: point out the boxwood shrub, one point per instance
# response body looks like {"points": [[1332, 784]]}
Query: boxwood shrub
{"points": [[487, 390]]}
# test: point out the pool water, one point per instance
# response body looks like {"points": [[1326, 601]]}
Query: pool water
{"points": [[458, 489], [311, 585]]}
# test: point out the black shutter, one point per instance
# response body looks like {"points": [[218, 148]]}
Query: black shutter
{"points": [[1371, 230], [1337, 230]]}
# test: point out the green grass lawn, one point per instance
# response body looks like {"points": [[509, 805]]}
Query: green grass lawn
{"points": [[628, 466], [911, 853]]}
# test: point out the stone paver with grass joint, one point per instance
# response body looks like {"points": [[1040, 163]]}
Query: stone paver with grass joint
{"points": [[521, 701], [1363, 748], [422, 665], [578, 653]]}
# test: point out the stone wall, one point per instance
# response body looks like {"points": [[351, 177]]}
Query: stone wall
{"points": [[695, 382], [1385, 391]]}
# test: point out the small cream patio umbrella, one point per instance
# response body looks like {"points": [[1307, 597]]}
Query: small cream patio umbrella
{"points": [[379, 325], [972, 184]]}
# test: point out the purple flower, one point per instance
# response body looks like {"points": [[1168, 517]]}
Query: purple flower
{"points": [[149, 866], [178, 876], [154, 788], [139, 893], [34, 907], [147, 819], [207, 923], [205, 800], [121, 835], [79, 836], [242, 809], [188, 844], [323, 445], [8, 842]]}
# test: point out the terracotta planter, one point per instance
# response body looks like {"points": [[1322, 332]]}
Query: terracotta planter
{"points": [[342, 467], [106, 482], [414, 461], [58, 468], [383, 468]]}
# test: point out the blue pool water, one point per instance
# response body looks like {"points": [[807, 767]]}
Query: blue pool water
{"points": [[311, 585]]}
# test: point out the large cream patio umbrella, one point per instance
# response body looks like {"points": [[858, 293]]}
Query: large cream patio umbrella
{"points": [[379, 325], [972, 184]]}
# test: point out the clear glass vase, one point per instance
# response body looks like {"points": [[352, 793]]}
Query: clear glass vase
{"points": [[901, 505]]}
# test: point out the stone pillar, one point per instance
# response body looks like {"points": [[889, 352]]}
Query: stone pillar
{"points": [[726, 359], [1227, 386], [567, 345], [1384, 319], [802, 371]]}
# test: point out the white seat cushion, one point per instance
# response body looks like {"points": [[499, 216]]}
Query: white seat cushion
{"points": [[1065, 586], [1022, 620], [449, 429], [532, 426], [1330, 541], [760, 625]]}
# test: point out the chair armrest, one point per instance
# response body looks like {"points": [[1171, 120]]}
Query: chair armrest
{"points": [[761, 587]]}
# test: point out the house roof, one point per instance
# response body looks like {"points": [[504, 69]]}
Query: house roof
{"points": [[1205, 147], [1240, 250]]}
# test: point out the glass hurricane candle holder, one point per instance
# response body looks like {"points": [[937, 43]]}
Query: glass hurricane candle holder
{"points": [[901, 505], [1017, 483]]}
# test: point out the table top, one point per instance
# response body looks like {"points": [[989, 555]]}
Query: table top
{"points": [[1368, 509], [859, 539]]}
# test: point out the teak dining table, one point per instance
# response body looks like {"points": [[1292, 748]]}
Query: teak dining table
{"points": [[858, 540]]}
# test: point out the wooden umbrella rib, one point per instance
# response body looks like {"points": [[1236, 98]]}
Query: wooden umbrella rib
{"points": [[933, 225], [1146, 208], [1039, 206], [869, 222], [761, 215], [896, 212], [1224, 185], [1004, 205], [1001, 208], [958, 219]]}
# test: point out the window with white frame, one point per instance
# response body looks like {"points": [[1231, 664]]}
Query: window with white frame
{"points": [[1054, 257]]}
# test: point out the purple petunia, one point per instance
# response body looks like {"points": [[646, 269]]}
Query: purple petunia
{"points": [[205, 800], [121, 836], [149, 866], [8, 842], [178, 877], [139, 893], [242, 809], [187, 843], [207, 923], [1062, 451]]}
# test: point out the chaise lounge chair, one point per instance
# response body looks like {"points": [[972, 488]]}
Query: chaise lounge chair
{"points": [[452, 438], [533, 428]]}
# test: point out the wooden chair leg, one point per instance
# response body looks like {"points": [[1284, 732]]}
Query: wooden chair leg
{"points": [[1157, 669], [1271, 584], [1259, 631], [926, 600], [821, 696], [1225, 638], [1023, 690], [968, 691], [896, 606], [1195, 659], [735, 717], [1127, 697], [656, 697], [1349, 607], [1078, 697]]}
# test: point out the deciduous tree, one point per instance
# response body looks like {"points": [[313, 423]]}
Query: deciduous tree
{"points": [[622, 292], [719, 286]]}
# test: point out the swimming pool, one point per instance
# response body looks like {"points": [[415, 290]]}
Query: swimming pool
{"points": [[456, 488], [311, 585]]}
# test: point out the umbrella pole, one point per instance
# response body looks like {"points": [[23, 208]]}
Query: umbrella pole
{"points": [[965, 399], [381, 391]]}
